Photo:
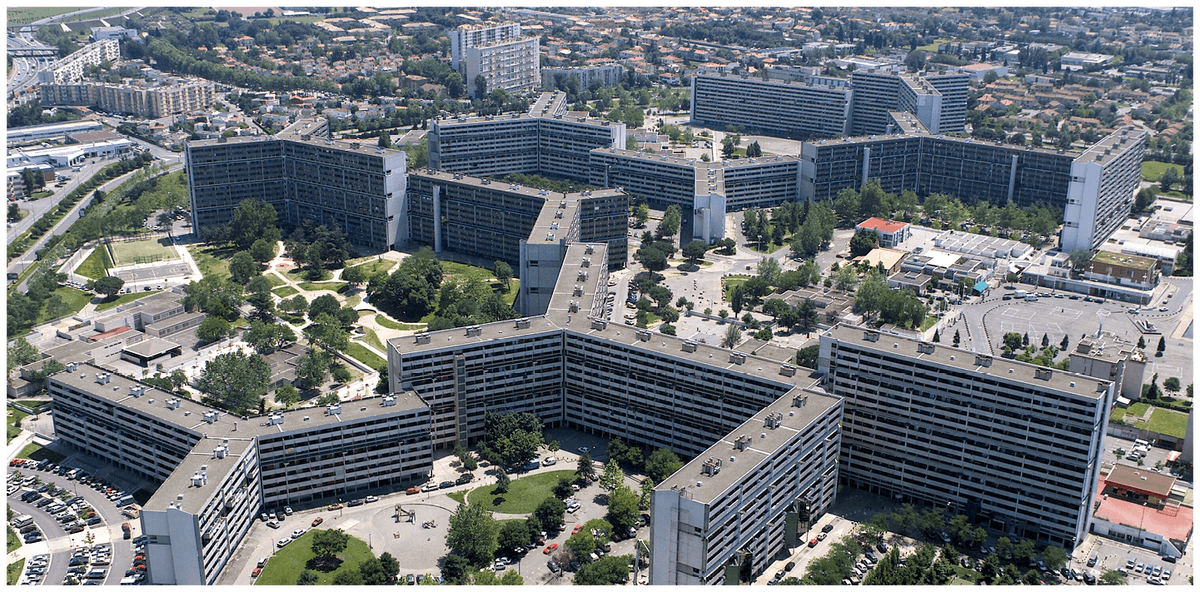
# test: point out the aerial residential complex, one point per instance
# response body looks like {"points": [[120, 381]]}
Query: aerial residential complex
{"points": [[174, 97], [1104, 180], [499, 54], [304, 175], [1011, 443], [215, 471]]}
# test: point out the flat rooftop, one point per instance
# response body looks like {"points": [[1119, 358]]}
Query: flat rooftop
{"points": [[1141, 479], [763, 442], [995, 366], [882, 137], [554, 222], [1132, 261], [178, 488], [152, 347], [1172, 525], [1121, 139]]}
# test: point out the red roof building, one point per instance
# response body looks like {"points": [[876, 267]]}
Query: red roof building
{"points": [[891, 233]]}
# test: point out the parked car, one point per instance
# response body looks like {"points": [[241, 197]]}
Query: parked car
{"points": [[317, 521], [550, 548]]}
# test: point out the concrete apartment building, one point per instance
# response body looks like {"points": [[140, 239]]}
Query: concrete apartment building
{"points": [[71, 68], [1013, 445], [175, 97], [216, 470], [939, 101], [605, 75], [304, 175], [1104, 183], [499, 53], [1108, 357], [771, 106]]}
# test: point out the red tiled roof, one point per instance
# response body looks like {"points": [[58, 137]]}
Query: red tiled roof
{"points": [[880, 225], [107, 334]]}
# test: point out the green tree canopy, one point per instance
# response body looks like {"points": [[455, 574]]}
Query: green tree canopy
{"points": [[234, 380], [472, 534]]}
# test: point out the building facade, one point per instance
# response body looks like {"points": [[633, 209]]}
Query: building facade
{"points": [[499, 54], [71, 68], [304, 175], [770, 106], [1013, 446], [604, 75], [1104, 183], [176, 98]]}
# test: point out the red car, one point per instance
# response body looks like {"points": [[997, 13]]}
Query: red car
{"points": [[257, 570], [578, 527], [413, 490], [812, 543], [317, 521], [550, 548]]}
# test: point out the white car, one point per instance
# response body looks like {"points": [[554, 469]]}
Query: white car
{"points": [[283, 542], [299, 532], [371, 498], [583, 449], [549, 461]]}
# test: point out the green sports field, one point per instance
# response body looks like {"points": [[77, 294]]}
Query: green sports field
{"points": [[143, 251]]}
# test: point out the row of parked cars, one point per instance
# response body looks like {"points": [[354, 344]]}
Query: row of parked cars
{"points": [[35, 569], [88, 565], [1155, 574]]}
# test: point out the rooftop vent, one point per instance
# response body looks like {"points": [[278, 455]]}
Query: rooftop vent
{"points": [[643, 335], [689, 346], [423, 339], [788, 371], [799, 400], [221, 451], [711, 467], [871, 336], [137, 390], [587, 262], [588, 249], [578, 291], [925, 348], [599, 324], [737, 358], [573, 306], [333, 410], [172, 403], [1043, 373], [741, 441], [982, 360], [199, 479], [773, 420], [522, 323], [475, 331], [210, 416], [72, 366]]}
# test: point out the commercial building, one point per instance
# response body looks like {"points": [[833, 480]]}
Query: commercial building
{"points": [[71, 68], [890, 232], [175, 97], [1013, 446], [22, 135], [770, 106], [1104, 182], [1141, 273], [499, 54], [1108, 357], [216, 470], [304, 175]]}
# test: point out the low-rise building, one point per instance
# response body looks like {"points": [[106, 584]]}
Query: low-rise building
{"points": [[1123, 270], [890, 232]]}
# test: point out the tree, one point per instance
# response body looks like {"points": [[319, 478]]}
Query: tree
{"points": [[769, 270], [287, 395], [514, 534], [1169, 178], [311, 369], [562, 489], [214, 295], [612, 475], [662, 463], [1054, 557], [268, 337], [235, 380], [1172, 385], [754, 150], [1079, 259], [1024, 551], [323, 304], [262, 250], [1004, 547], [372, 572], [1162, 345], [326, 544], [1141, 344], [651, 257], [641, 214], [109, 285], [863, 242], [480, 87], [512, 578], [1066, 341], [340, 373], [21, 353], [348, 578], [1112, 577], [502, 483], [585, 469], [213, 329], [695, 250], [670, 221], [354, 276], [390, 565], [608, 571], [845, 278], [242, 267], [254, 219], [327, 333], [622, 508], [472, 534], [549, 514], [582, 543], [455, 568], [307, 577]]}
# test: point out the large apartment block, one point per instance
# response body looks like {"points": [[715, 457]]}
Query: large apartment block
{"points": [[784, 108], [1014, 446], [175, 98], [304, 175], [71, 68], [1104, 182], [216, 470], [499, 54], [605, 75]]}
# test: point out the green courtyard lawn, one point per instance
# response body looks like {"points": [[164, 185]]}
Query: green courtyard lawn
{"points": [[73, 300], [285, 565], [1137, 410], [14, 542], [39, 453], [213, 259], [122, 299], [452, 268], [733, 281], [374, 266], [14, 571], [523, 495], [95, 266], [301, 275], [314, 286], [1171, 423], [274, 279], [385, 321], [14, 422], [1152, 170], [285, 291], [38, 406], [359, 352]]}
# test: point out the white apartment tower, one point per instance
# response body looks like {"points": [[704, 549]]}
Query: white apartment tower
{"points": [[1104, 181], [499, 53]]}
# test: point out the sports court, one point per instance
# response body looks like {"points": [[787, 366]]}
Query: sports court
{"points": [[142, 251], [172, 269], [1055, 322]]}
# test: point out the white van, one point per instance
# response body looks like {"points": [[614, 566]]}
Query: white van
{"points": [[1019, 293], [22, 521]]}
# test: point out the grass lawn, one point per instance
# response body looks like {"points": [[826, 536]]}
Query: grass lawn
{"points": [[297, 19], [458, 496], [932, 47], [14, 543], [35, 405], [41, 194], [353, 301], [24, 16], [930, 320], [364, 355], [95, 266], [142, 251], [1152, 170], [385, 321], [332, 286], [37, 452], [287, 563], [213, 260], [733, 281], [14, 421], [1171, 423], [285, 291], [1136, 410], [73, 299], [275, 280], [1176, 195], [450, 268], [122, 299], [373, 266], [297, 275], [373, 340], [523, 495], [14, 571], [769, 248]]}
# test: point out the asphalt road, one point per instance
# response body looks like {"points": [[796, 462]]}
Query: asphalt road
{"points": [[40, 206]]}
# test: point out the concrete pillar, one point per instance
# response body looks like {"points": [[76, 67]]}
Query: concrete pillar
{"points": [[866, 166], [706, 231], [437, 219], [1012, 177]]}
